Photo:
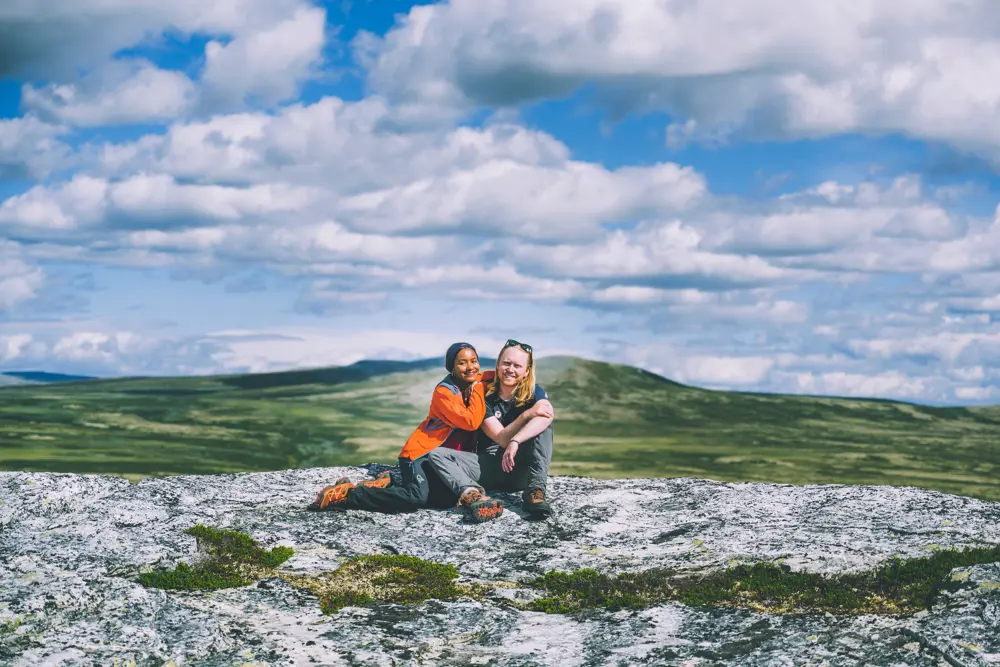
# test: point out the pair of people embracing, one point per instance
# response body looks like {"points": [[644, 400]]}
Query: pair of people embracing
{"points": [[489, 430]]}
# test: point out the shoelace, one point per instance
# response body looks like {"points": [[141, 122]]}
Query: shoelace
{"points": [[469, 498]]}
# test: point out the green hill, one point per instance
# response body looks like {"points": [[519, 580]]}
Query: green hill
{"points": [[612, 421]]}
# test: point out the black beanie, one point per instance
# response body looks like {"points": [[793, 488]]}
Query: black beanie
{"points": [[449, 357]]}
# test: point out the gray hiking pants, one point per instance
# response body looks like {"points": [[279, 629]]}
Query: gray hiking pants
{"points": [[483, 470]]}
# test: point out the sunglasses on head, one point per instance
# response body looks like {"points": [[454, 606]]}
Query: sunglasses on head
{"points": [[516, 343]]}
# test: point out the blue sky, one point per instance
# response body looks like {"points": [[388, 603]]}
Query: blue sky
{"points": [[780, 196]]}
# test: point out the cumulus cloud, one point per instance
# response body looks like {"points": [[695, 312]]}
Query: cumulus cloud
{"points": [[143, 200], [780, 68], [260, 53], [510, 199], [19, 280], [667, 254], [839, 383], [267, 65], [30, 148], [55, 40], [118, 93]]}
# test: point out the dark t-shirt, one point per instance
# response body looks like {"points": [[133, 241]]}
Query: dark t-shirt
{"points": [[506, 412]]}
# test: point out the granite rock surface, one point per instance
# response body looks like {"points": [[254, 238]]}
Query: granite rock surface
{"points": [[71, 547]]}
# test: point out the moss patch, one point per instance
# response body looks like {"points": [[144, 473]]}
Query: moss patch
{"points": [[383, 578], [231, 559], [896, 587]]}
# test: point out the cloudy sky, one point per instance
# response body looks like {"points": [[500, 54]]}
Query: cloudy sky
{"points": [[779, 195]]}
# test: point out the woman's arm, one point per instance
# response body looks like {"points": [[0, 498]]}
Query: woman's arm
{"points": [[451, 408], [527, 425]]}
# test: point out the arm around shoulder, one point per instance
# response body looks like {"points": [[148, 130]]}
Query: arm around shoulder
{"points": [[449, 407]]}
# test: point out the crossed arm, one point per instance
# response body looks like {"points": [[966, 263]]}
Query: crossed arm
{"points": [[529, 424]]}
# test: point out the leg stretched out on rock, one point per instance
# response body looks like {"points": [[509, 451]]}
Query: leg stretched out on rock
{"points": [[456, 412]]}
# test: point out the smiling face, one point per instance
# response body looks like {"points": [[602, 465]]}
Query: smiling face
{"points": [[466, 367], [512, 367]]}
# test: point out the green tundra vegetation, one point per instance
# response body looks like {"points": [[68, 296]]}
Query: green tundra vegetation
{"points": [[897, 587], [230, 559], [612, 421]]}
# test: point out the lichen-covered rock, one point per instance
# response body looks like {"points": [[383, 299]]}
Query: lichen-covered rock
{"points": [[72, 547]]}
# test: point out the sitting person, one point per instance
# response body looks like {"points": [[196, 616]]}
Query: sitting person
{"points": [[514, 449], [456, 412]]}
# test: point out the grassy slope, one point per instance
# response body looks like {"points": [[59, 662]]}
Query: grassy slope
{"points": [[612, 421]]}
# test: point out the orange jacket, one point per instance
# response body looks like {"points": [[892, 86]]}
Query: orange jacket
{"points": [[449, 422]]}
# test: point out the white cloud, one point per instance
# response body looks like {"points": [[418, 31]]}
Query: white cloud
{"points": [[266, 65], [572, 199], [780, 68], [18, 346], [976, 393], [977, 251], [55, 40], [247, 351], [30, 148], [726, 371], [501, 179], [947, 346], [146, 199], [839, 383], [652, 253], [19, 281], [120, 92]]}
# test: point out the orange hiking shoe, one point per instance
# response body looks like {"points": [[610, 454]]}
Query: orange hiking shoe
{"points": [[381, 481], [533, 501], [332, 495], [478, 507]]}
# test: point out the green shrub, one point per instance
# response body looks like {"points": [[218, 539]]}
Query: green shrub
{"points": [[238, 547], [187, 578], [896, 587], [232, 559]]}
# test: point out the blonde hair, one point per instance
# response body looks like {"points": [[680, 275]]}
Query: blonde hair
{"points": [[525, 389]]}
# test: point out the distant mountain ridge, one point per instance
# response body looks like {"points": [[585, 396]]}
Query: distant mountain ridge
{"points": [[41, 377]]}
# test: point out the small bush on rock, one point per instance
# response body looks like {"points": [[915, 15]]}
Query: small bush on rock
{"points": [[232, 559]]}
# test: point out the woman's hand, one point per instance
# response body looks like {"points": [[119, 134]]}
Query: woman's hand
{"points": [[539, 410], [467, 392], [507, 463]]}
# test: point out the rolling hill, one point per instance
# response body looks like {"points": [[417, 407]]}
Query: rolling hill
{"points": [[612, 421]]}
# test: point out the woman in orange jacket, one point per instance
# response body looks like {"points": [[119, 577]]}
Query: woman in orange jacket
{"points": [[456, 412]]}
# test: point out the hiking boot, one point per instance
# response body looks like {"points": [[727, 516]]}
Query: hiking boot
{"points": [[332, 495], [478, 507], [533, 501], [381, 481]]}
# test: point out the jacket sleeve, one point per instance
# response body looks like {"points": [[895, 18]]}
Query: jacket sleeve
{"points": [[450, 408]]}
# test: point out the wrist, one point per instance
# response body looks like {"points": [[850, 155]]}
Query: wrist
{"points": [[513, 441]]}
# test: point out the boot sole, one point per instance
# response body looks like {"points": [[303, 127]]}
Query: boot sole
{"points": [[482, 511], [538, 510]]}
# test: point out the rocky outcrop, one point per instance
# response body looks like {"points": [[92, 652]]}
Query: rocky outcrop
{"points": [[72, 547]]}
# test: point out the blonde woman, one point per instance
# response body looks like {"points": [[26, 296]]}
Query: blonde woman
{"points": [[514, 449]]}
